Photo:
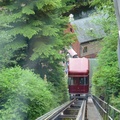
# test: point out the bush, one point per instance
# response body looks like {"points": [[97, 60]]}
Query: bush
{"points": [[115, 101], [24, 95]]}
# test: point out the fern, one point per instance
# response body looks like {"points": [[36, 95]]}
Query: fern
{"points": [[32, 21], [27, 10], [49, 30]]}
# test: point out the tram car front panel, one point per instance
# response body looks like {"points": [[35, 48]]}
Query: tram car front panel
{"points": [[78, 77]]}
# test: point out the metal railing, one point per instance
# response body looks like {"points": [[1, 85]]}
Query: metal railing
{"points": [[54, 111], [107, 111], [82, 111]]}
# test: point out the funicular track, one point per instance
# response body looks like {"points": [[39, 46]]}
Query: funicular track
{"points": [[72, 110]]}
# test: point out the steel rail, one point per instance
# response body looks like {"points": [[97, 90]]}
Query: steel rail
{"points": [[52, 115], [81, 114], [55, 111]]}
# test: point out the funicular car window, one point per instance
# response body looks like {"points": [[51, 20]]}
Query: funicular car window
{"points": [[83, 80], [86, 81], [70, 81]]}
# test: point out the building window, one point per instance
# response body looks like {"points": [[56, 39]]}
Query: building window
{"points": [[83, 80], [70, 81], [85, 49]]}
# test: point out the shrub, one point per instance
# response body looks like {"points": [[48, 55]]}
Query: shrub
{"points": [[24, 95]]}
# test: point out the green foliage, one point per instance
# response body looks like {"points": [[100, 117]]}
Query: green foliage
{"points": [[78, 3], [24, 95], [107, 76], [34, 35], [8, 48], [58, 81], [101, 3], [31, 21], [26, 10], [55, 74], [116, 101]]}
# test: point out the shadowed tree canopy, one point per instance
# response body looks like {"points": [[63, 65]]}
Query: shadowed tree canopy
{"points": [[30, 26], [32, 35]]}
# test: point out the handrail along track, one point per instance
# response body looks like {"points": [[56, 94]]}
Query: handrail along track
{"points": [[59, 112], [47, 115], [81, 114], [107, 111]]}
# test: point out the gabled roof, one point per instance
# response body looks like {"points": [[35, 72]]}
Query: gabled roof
{"points": [[87, 30], [78, 67]]}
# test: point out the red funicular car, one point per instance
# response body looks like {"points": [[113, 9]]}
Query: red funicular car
{"points": [[78, 77], [72, 53]]}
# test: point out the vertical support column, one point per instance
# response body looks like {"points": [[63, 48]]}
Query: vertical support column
{"points": [[117, 11], [119, 49]]}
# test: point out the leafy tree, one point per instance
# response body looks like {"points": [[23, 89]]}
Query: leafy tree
{"points": [[106, 78], [33, 35], [24, 95], [35, 27]]}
